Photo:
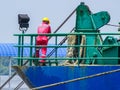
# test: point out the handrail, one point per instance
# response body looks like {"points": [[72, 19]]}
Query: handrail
{"points": [[64, 46], [65, 34], [62, 58]]}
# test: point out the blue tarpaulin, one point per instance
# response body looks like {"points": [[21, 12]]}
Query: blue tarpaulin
{"points": [[9, 49]]}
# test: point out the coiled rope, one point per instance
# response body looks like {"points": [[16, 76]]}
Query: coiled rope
{"points": [[77, 79]]}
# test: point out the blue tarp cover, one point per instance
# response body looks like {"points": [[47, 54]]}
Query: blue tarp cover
{"points": [[9, 49]]}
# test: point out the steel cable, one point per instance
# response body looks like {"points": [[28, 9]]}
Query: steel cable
{"points": [[113, 25]]}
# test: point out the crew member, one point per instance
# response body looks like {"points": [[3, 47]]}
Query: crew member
{"points": [[44, 28]]}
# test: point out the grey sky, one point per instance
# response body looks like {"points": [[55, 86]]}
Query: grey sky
{"points": [[56, 10]]}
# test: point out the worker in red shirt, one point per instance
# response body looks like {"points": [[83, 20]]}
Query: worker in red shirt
{"points": [[44, 28]]}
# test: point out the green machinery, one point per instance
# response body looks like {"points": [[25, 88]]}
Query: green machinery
{"points": [[103, 52]]}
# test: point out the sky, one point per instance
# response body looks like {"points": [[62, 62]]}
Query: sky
{"points": [[56, 10]]}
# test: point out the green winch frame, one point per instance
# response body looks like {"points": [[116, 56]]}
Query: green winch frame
{"points": [[96, 51]]}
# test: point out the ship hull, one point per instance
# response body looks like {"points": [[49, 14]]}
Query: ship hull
{"points": [[84, 77]]}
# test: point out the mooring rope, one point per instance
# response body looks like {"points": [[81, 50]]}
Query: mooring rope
{"points": [[77, 79]]}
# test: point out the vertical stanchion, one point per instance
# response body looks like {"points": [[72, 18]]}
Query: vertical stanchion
{"points": [[79, 41], [19, 54], [31, 49], [22, 48]]}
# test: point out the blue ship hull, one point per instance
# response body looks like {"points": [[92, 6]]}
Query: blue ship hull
{"points": [[39, 76]]}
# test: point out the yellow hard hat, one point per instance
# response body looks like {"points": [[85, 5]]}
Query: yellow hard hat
{"points": [[46, 19]]}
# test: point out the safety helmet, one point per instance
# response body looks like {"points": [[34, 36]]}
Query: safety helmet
{"points": [[46, 19]]}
